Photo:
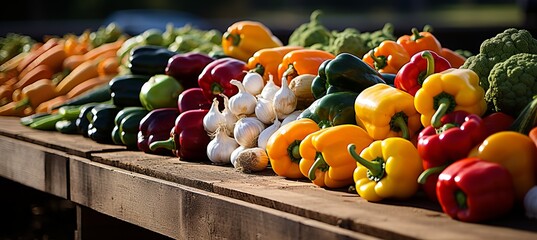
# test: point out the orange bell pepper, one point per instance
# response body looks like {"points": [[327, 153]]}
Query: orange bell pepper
{"points": [[266, 61], [325, 159], [420, 41], [243, 38], [456, 60], [302, 61], [283, 147], [388, 57]]}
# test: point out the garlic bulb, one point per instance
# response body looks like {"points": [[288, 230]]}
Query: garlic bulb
{"points": [[220, 148], [252, 160], [284, 100], [301, 87], [229, 118], [247, 130], [291, 117], [265, 134], [264, 111], [235, 153], [213, 118], [269, 89], [253, 82], [242, 103]]}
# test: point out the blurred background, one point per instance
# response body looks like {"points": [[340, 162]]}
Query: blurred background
{"points": [[459, 24]]}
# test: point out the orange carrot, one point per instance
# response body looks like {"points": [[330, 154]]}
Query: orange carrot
{"points": [[89, 84], [53, 58], [39, 72], [46, 107], [36, 53], [83, 72]]}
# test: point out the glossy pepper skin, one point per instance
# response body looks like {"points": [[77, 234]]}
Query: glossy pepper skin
{"points": [[127, 121], [243, 38], [156, 126], [419, 41], [388, 57], [422, 64], [474, 190], [283, 147], [160, 91], [516, 152], [302, 61], [101, 122], [325, 159], [125, 89], [215, 77], [332, 109], [188, 139], [192, 98], [186, 67], [265, 61], [447, 91], [386, 168], [460, 132], [346, 72], [385, 111], [149, 60]]}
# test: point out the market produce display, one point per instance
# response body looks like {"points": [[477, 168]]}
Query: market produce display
{"points": [[385, 115]]}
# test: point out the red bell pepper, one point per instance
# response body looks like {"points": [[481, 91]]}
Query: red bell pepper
{"points": [[475, 190], [438, 148], [188, 139], [215, 77], [496, 122], [156, 126], [422, 64], [186, 67], [192, 98]]}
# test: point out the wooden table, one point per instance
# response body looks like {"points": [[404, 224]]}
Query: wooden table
{"points": [[190, 200]]}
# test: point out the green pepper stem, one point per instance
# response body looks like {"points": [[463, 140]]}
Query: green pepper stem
{"points": [[235, 38], [319, 161], [293, 151], [460, 198], [428, 56], [400, 122], [216, 88], [425, 174], [290, 72], [415, 34], [443, 106], [380, 61], [374, 167], [167, 144], [259, 68]]}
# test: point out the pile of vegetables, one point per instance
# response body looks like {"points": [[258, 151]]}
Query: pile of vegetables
{"points": [[386, 115]]}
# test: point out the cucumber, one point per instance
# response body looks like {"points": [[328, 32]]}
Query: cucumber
{"points": [[47, 123], [66, 126], [27, 120], [527, 119]]}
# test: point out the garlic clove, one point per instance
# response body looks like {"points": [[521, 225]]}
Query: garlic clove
{"points": [[264, 111], [284, 100], [253, 82], [242, 103]]}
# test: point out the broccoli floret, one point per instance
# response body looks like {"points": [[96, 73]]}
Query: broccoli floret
{"points": [[348, 41], [513, 83], [497, 49], [310, 33]]}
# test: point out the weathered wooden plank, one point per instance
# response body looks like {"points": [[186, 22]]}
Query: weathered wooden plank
{"points": [[73, 144], [34, 166], [183, 212]]}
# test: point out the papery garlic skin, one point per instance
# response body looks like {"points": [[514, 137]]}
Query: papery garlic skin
{"points": [[220, 148], [235, 153], [264, 111], [284, 100], [247, 130], [229, 118], [213, 118], [242, 103], [269, 89], [291, 117], [264, 136], [253, 83]]}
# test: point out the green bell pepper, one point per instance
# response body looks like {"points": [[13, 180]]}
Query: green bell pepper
{"points": [[160, 91], [101, 122], [127, 122], [346, 72], [332, 109]]}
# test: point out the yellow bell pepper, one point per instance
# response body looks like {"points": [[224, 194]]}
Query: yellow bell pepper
{"points": [[283, 147], [516, 152], [387, 168], [385, 111], [325, 159], [243, 38], [447, 91]]}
